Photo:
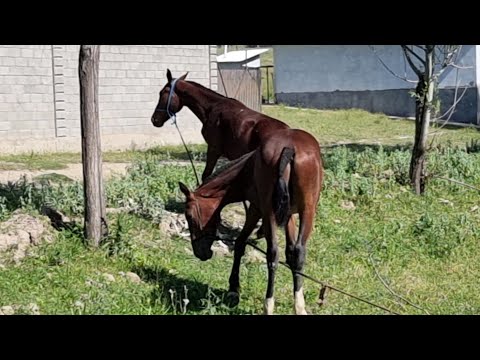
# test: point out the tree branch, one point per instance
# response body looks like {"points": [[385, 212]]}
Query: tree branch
{"points": [[404, 78], [420, 47], [460, 67], [411, 63], [415, 54]]}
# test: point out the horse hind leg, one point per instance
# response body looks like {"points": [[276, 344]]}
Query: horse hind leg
{"points": [[272, 263], [296, 257], [292, 255]]}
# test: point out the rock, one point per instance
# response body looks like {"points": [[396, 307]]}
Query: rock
{"points": [[446, 202], [91, 282], [22, 231], [133, 277], [33, 309], [173, 223], [79, 304], [219, 248], [348, 205], [7, 310], [255, 256], [109, 277], [58, 220], [389, 173]]}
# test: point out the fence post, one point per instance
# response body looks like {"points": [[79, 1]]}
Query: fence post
{"points": [[94, 200]]}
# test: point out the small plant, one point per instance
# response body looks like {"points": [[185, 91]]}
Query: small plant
{"points": [[177, 301], [119, 241], [473, 147]]}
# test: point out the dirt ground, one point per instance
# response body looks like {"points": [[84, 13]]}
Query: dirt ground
{"points": [[73, 171]]}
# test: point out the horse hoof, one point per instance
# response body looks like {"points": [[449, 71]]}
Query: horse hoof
{"points": [[232, 299], [301, 312]]}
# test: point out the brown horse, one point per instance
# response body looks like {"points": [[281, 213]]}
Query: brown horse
{"points": [[230, 129], [282, 177]]}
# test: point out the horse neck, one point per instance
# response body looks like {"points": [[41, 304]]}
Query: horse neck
{"points": [[197, 98], [227, 187], [220, 192]]}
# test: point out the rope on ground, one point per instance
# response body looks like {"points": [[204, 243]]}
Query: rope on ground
{"points": [[456, 181], [325, 285], [384, 283]]}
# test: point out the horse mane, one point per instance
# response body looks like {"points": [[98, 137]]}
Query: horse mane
{"points": [[224, 168], [210, 91]]}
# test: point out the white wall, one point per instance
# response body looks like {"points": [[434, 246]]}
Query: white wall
{"points": [[326, 68]]}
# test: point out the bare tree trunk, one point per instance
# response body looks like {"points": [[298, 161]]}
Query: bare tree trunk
{"points": [[95, 220], [425, 91]]}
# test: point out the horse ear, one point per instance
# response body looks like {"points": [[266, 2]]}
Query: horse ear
{"points": [[183, 77], [169, 75], [184, 189]]}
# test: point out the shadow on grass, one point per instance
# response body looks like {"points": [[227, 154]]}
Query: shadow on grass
{"points": [[175, 206], [202, 297], [357, 147]]}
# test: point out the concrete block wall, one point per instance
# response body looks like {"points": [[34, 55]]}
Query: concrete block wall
{"points": [[131, 77], [26, 93]]}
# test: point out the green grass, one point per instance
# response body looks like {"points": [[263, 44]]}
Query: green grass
{"points": [[56, 161], [425, 248], [330, 127], [361, 127]]}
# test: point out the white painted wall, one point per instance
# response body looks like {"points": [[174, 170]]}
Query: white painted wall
{"points": [[326, 68]]}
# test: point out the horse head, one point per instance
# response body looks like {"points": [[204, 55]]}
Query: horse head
{"points": [[203, 220], [169, 103]]}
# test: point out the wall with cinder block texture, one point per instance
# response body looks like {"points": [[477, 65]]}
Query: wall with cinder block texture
{"points": [[39, 90]]}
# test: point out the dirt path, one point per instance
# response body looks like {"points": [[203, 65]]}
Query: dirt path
{"points": [[73, 171]]}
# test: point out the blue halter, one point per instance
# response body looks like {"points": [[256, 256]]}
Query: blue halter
{"points": [[170, 96]]}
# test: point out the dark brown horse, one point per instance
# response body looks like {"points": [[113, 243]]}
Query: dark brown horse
{"points": [[230, 129], [282, 177]]}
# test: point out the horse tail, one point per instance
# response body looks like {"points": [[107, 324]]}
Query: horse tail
{"points": [[281, 194]]}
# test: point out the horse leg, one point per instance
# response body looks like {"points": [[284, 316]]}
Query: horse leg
{"points": [[272, 262], [212, 157], [261, 229], [296, 257], [252, 218], [291, 255]]}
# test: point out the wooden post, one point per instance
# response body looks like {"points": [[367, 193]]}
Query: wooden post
{"points": [[95, 217], [268, 87]]}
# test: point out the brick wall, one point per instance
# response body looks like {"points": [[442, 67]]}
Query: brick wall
{"points": [[42, 101]]}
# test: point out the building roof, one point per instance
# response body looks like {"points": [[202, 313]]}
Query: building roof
{"points": [[240, 55]]}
